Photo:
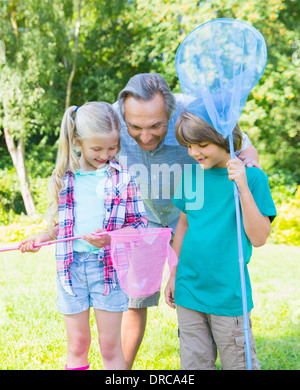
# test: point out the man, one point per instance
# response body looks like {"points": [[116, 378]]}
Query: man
{"points": [[148, 113]]}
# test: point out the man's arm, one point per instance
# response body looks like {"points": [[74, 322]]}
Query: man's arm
{"points": [[249, 157]]}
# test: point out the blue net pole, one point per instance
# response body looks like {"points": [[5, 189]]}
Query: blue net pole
{"points": [[241, 264]]}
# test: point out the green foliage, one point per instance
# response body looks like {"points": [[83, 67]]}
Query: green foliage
{"points": [[287, 224], [11, 202], [283, 186]]}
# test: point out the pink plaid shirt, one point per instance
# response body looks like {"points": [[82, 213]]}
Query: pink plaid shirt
{"points": [[123, 207]]}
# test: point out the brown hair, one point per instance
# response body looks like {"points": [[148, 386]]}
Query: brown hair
{"points": [[192, 130]]}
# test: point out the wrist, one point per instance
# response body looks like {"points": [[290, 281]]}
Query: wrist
{"points": [[244, 192]]}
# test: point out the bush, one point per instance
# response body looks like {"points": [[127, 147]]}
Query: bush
{"points": [[17, 231], [286, 228], [11, 201], [283, 186]]}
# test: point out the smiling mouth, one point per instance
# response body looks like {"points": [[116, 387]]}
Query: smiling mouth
{"points": [[100, 161], [201, 160]]}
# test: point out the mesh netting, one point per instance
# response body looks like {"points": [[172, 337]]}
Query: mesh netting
{"points": [[141, 257], [218, 64]]}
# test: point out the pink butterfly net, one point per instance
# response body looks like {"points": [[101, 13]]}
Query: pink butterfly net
{"points": [[141, 258]]}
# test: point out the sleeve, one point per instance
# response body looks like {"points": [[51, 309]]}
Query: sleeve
{"points": [[135, 209], [261, 193], [178, 198], [245, 144]]}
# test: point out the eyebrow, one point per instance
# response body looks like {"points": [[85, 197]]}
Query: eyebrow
{"points": [[101, 147], [138, 127]]}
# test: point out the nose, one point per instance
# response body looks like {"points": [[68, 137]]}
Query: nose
{"points": [[194, 150], [145, 137], [105, 155]]}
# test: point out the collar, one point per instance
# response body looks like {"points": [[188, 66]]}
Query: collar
{"points": [[112, 165]]}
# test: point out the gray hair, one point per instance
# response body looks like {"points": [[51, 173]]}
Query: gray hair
{"points": [[144, 86]]}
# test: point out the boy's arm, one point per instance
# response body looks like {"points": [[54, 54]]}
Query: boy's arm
{"points": [[257, 227], [180, 232]]}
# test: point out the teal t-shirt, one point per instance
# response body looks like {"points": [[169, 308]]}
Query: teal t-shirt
{"points": [[89, 206], [208, 276]]}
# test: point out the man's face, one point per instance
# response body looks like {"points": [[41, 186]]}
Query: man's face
{"points": [[147, 120]]}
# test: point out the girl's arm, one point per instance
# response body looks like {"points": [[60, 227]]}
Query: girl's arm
{"points": [[180, 232], [27, 245], [257, 227]]}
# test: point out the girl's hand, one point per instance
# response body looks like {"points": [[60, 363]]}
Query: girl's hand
{"points": [[27, 245], [237, 172], [97, 241]]}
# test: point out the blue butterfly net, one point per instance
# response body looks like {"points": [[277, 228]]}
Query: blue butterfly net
{"points": [[218, 64]]}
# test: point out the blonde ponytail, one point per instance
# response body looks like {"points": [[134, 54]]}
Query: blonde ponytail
{"points": [[66, 159]]}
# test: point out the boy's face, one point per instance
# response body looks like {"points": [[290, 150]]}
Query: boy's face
{"points": [[209, 155]]}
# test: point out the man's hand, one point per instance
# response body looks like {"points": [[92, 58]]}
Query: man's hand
{"points": [[249, 162]]}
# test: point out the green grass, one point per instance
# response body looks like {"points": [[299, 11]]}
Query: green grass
{"points": [[32, 334]]}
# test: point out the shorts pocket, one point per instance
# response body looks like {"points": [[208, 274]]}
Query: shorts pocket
{"points": [[241, 357]]}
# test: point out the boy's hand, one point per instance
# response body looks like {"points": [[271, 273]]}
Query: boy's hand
{"points": [[237, 172], [97, 241], [170, 292]]}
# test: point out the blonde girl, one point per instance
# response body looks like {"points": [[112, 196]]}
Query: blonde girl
{"points": [[90, 193]]}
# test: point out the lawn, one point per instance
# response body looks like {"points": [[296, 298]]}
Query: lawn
{"points": [[33, 336]]}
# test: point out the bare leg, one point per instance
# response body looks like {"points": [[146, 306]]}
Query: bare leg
{"points": [[109, 330], [133, 329], [78, 339]]}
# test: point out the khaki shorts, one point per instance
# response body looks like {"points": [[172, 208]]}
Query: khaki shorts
{"points": [[201, 335], [141, 303]]}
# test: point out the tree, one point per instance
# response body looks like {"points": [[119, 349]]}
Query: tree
{"points": [[76, 38], [31, 50]]}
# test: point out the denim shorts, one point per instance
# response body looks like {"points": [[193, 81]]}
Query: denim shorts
{"points": [[87, 276]]}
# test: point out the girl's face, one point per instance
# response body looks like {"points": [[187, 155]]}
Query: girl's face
{"points": [[209, 155], [97, 151]]}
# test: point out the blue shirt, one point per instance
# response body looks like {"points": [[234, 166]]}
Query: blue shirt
{"points": [[157, 172], [208, 276], [88, 190]]}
